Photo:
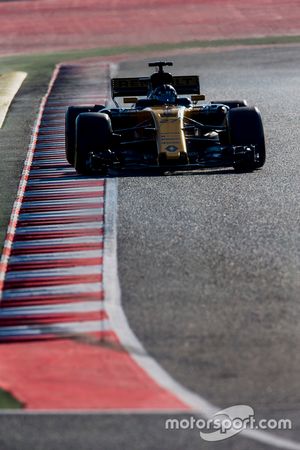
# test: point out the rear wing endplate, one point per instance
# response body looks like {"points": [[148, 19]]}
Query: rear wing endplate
{"points": [[127, 87]]}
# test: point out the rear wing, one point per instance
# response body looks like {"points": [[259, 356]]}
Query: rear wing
{"points": [[136, 87]]}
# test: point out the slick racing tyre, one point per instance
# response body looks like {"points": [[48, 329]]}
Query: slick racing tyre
{"points": [[70, 119], [245, 128], [93, 135]]}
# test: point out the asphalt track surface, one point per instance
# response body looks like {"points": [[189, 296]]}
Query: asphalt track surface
{"points": [[209, 272]]}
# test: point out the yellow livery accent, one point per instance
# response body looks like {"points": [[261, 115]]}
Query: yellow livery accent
{"points": [[170, 135]]}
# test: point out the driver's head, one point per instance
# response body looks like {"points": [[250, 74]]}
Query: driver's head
{"points": [[165, 94]]}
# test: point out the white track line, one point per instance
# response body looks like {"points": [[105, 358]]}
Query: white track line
{"points": [[134, 347]]}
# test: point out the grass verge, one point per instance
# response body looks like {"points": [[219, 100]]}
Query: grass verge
{"points": [[8, 401], [39, 64]]}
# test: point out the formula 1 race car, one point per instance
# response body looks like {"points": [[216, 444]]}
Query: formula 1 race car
{"points": [[164, 128]]}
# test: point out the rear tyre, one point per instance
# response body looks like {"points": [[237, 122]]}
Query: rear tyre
{"points": [[245, 128], [231, 103], [93, 135], [70, 131]]}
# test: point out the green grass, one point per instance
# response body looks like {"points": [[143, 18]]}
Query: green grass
{"points": [[7, 401], [38, 64]]}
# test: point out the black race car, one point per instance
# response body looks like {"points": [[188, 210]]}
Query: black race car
{"points": [[165, 126]]}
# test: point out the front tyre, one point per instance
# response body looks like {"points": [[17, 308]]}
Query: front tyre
{"points": [[70, 128], [245, 128], [93, 135]]}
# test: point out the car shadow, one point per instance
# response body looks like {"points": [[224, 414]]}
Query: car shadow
{"points": [[153, 172]]}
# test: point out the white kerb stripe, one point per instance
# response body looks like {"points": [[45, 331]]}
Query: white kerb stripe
{"points": [[58, 329], [48, 256], [60, 241], [59, 227], [79, 307], [63, 190], [69, 213], [83, 288], [50, 273], [68, 201]]}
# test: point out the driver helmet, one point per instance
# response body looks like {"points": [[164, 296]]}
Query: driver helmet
{"points": [[165, 94]]}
